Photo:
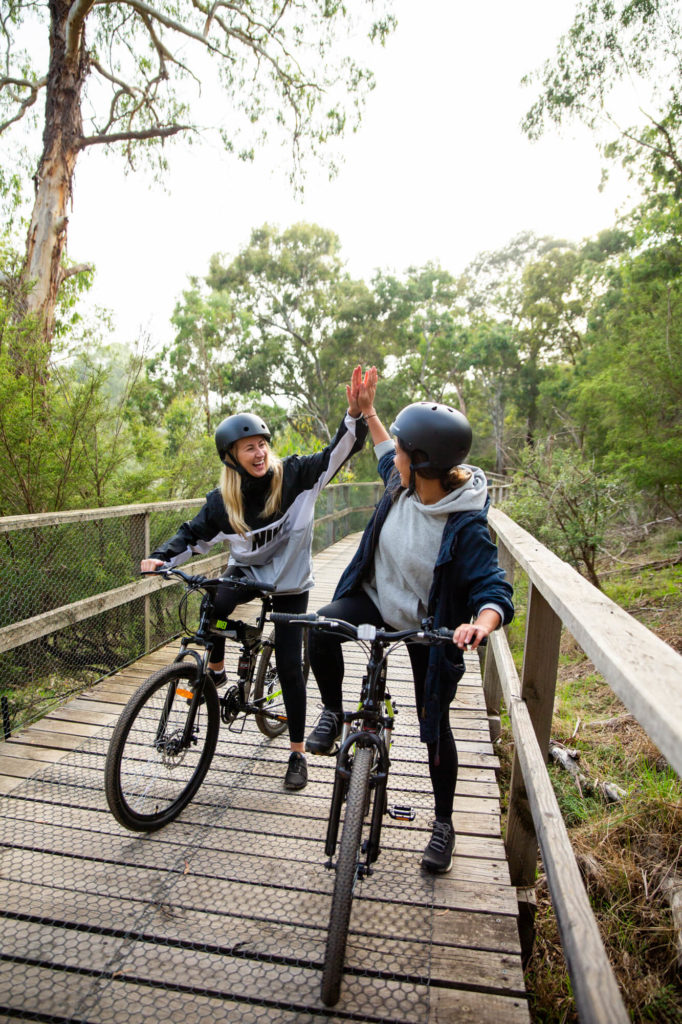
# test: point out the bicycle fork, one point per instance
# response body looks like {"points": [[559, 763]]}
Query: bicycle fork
{"points": [[378, 781]]}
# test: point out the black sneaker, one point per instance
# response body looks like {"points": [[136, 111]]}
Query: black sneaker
{"points": [[438, 854], [297, 771], [325, 734], [217, 678]]}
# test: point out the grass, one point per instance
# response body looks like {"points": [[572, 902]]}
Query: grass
{"points": [[625, 851]]}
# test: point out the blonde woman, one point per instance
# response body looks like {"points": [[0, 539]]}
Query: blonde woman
{"points": [[265, 508]]}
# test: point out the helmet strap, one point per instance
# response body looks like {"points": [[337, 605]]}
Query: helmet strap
{"points": [[230, 461]]}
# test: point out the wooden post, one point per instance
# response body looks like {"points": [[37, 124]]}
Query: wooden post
{"points": [[139, 549], [331, 522], [492, 689], [147, 599], [538, 685]]}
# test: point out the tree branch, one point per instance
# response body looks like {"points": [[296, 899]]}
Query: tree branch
{"points": [[74, 27], [163, 19], [77, 268], [149, 133], [34, 87]]}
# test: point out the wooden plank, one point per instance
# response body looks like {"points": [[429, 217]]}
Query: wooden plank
{"points": [[295, 941], [234, 895], [38, 738], [37, 520], [538, 683], [236, 830]]}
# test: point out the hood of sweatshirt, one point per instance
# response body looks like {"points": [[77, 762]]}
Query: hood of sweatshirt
{"points": [[470, 497]]}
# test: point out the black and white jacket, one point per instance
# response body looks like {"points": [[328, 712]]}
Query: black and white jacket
{"points": [[277, 550]]}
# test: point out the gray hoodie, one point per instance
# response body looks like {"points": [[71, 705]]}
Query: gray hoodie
{"points": [[408, 546]]}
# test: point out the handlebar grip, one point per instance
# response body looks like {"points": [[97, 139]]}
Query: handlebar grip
{"points": [[292, 617]]}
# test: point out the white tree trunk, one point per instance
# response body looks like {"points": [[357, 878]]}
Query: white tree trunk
{"points": [[42, 272]]}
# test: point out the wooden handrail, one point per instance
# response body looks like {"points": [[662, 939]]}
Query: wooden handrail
{"points": [[18, 633], [595, 988], [647, 676], [642, 670]]}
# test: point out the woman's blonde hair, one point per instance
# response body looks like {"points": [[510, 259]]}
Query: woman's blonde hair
{"points": [[231, 490]]}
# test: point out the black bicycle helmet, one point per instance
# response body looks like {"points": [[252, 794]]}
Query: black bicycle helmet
{"points": [[242, 424], [440, 431]]}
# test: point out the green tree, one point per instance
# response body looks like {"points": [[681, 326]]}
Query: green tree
{"points": [[629, 387], [532, 289], [305, 323], [423, 315], [560, 497], [611, 42], [495, 367], [198, 361], [63, 442], [277, 61]]}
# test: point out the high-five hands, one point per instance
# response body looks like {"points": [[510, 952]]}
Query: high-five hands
{"points": [[361, 391]]}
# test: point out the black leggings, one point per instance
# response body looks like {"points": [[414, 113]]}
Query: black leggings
{"points": [[326, 661], [288, 656]]}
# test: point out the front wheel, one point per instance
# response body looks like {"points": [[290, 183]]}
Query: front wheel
{"points": [[346, 875], [154, 766], [267, 689]]}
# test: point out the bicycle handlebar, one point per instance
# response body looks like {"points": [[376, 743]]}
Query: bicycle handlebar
{"points": [[364, 632], [202, 581]]}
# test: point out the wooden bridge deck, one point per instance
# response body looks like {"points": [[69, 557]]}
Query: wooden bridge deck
{"points": [[222, 915]]}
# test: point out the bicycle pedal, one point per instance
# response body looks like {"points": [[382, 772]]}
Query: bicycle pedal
{"points": [[401, 812]]}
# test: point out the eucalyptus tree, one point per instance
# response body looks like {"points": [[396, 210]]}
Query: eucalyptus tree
{"points": [[628, 388], [424, 316], [120, 73], [199, 358], [304, 322], [612, 44], [533, 288]]}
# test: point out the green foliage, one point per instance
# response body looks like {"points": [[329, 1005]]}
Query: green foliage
{"points": [[634, 41], [304, 323], [628, 389], [560, 498]]}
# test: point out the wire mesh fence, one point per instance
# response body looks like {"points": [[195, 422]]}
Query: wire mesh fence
{"points": [[64, 620]]}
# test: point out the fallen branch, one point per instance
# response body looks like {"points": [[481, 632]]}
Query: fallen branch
{"points": [[568, 759], [609, 723]]}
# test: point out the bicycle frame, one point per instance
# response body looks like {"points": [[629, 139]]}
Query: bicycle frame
{"points": [[249, 636], [373, 728]]}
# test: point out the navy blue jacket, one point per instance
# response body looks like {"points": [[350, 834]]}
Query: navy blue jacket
{"points": [[466, 577]]}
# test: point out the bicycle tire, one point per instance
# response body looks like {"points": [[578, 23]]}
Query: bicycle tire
{"points": [[268, 689], [346, 873], [147, 782]]}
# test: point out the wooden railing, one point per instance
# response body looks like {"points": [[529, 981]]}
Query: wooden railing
{"points": [[644, 672], [48, 559]]}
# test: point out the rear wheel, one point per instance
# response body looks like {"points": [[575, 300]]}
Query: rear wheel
{"points": [[267, 689], [152, 769], [346, 875]]}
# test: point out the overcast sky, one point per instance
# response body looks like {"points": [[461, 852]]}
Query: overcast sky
{"points": [[438, 171]]}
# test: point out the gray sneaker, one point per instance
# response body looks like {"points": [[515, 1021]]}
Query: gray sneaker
{"points": [[325, 734], [438, 854]]}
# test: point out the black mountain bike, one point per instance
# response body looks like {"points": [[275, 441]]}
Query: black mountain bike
{"points": [[360, 778], [164, 741]]}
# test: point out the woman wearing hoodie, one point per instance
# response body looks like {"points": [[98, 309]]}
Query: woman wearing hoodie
{"points": [[265, 508], [426, 552]]}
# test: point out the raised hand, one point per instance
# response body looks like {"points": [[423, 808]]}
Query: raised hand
{"points": [[361, 391]]}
